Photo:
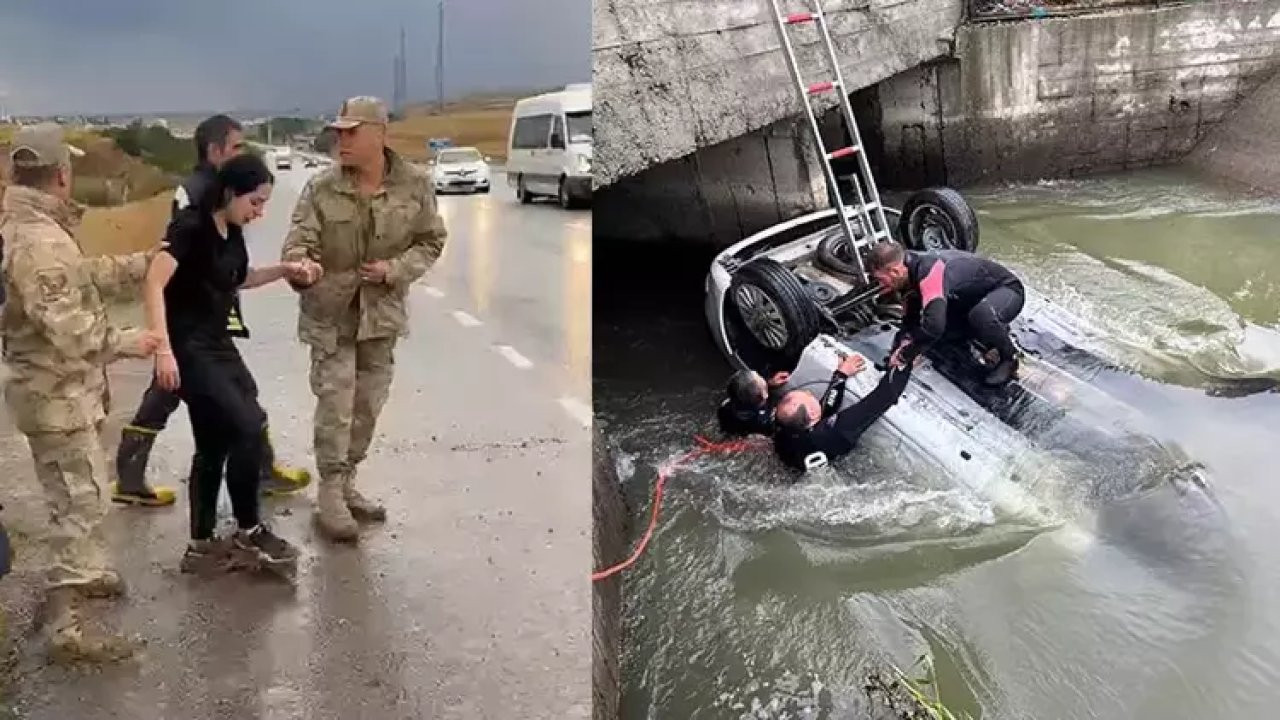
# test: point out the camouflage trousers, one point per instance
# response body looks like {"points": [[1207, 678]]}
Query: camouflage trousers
{"points": [[351, 383], [72, 470]]}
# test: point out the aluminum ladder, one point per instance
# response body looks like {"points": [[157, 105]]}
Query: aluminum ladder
{"points": [[868, 208]]}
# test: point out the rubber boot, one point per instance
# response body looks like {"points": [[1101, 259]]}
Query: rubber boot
{"points": [[279, 479], [332, 515], [131, 471]]}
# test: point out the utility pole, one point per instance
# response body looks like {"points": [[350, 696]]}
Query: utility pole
{"points": [[401, 77], [440, 61]]}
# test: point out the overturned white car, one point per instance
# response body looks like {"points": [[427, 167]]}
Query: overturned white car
{"points": [[791, 298]]}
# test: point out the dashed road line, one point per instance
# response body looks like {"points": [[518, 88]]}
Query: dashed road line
{"points": [[514, 357], [466, 320], [432, 291], [577, 410]]}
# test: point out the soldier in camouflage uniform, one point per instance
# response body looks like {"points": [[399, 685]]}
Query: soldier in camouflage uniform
{"points": [[371, 223], [57, 343]]}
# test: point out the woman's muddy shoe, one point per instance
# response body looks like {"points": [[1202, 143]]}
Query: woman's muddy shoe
{"points": [[206, 556], [362, 508], [144, 496], [272, 552], [270, 548]]}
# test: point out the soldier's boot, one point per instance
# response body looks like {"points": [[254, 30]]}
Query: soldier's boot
{"points": [[332, 514], [279, 479], [362, 508], [106, 584], [71, 640], [131, 486]]}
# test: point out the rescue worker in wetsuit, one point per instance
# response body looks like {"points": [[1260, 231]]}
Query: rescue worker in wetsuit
{"points": [[748, 407], [190, 288], [812, 433], [218, 139], [951, 291]]}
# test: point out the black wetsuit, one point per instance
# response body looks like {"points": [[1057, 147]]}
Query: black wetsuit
{"points": [[220, 393], [838, 431], [955, 292], [739, 419], [157, 403]]}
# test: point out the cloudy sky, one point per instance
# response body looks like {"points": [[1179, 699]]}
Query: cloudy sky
{"points": [[109, 56]]}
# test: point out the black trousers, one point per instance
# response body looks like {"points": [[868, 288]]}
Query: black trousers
{"points": [[228, 425], [988, 320]]}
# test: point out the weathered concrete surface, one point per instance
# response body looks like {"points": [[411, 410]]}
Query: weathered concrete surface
{"points": [[720, 193], [674, 76], [1051, 98], [471, 601], [609, 521], [1245, 148]]}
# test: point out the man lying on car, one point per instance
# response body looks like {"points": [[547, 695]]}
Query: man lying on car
{"points": [[808, 432]]}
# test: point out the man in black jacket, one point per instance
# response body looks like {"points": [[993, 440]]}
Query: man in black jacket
{"points": [[217, 139], [812, 433], [951, 290]]}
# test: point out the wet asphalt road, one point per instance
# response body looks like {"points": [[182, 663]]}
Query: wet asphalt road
{"points": [[472, 601]]}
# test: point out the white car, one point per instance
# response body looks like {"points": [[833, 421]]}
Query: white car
{"points": [[460, 169], [283, 159], [790, 298]]}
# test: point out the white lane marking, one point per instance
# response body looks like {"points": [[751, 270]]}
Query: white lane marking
{"points": [[514, 357], [577, 410], [465, 320], [433, 292]]}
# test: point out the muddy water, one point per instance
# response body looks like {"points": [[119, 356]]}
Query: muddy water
{"points": [[763, 599]]}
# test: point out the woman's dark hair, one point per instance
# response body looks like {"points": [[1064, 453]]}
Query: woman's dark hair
{"points": [[238, 176]]}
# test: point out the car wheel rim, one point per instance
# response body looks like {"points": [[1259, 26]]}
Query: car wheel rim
{"points": [[933, 228], [762, 316]]}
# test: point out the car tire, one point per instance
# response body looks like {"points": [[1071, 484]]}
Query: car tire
{"points": [[835, 255], [938, 218], [770, 316], [484, 190], [562, 194], [522, 193]]}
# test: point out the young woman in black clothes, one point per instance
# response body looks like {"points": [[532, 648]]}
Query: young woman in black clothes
{"points": [[190, 288]]}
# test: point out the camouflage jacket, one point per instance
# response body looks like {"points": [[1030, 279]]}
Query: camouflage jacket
{"points": [[337, 227], [57, 341]]}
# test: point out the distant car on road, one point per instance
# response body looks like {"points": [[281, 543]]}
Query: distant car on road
{"points": [[460, 169], [310, 161], [284, 159], [549, 147]]}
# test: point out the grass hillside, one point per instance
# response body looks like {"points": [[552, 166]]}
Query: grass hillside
{"points": [[128, 198], [482, 124]]}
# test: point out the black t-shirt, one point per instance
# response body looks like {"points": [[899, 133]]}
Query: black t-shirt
{"points": [[210, 270]]}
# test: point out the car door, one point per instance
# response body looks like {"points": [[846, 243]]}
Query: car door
{"points": [[556, 153]]}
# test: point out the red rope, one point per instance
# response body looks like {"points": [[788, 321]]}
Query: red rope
{"points": [[705, 447]]}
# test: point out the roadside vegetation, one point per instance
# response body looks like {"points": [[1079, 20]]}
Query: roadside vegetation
{"points": [[482, 123], [127, 194]]}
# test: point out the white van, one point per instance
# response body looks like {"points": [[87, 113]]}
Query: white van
{"points": [[549, 148]]}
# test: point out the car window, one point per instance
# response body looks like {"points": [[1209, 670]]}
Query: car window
{"points": [[532, 132]]}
